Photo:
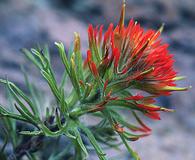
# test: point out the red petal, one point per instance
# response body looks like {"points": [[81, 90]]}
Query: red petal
{"points": [[105, 84], [94, 69], [136, 97], [88, 56], [148, 107], [153, 115], [100, 35], [116, 54]]}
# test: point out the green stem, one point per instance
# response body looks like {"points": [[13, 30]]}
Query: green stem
{"points": [[77, 112], [112, 122], [133, 154], [78, 152]]}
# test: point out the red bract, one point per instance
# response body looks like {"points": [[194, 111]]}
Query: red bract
{"points": [[136, 97], [91, 64], [131, 57], [138, 55], [153, 115]]}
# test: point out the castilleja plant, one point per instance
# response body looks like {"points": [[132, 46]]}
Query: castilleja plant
{"points": [[125, 68]]}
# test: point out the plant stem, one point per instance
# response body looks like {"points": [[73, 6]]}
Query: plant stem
{"points": [[112, 121], [133, 154]]}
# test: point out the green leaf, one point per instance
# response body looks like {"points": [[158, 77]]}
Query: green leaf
{"points": [[93, 141], [64, 59], [15, 91], [68, 134], [73, 76], [31, 133], [48, 132], [40, 57], [80, 142], [52, 84], [8, 114], [26, 116], [70, 68], [79, 62], [63, 104], [172, 88], [29, 55], [46, 53], [35, 103], [20, 103], [63, 80], [133, 153], [179, 78]]}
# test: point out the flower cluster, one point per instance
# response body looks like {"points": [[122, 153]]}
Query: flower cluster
{"points": [[131, 57]]}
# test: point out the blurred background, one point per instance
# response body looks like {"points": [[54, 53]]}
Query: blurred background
{"points": [[26, 23]]}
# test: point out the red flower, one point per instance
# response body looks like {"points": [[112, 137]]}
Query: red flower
{"points": [[131, 57], [136, 54]]}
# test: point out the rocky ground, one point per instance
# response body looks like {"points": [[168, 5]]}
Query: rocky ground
{"points": [[25, 23]]}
